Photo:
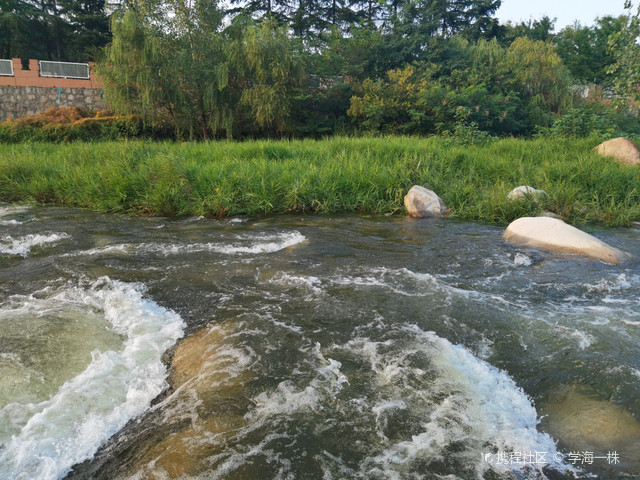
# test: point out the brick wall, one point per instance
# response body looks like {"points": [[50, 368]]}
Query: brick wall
{"points": [[27, 93]]}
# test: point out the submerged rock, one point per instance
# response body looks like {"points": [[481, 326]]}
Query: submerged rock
{"points": [[421, 202], [582, 423], [199, 361], [525, 191], [622, 150], [203, 409], [185, 452], [555, 235]]}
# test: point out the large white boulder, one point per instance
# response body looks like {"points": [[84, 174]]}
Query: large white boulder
{"points": [[422, 202], [555, 235], [622, 150], [525, 191]]}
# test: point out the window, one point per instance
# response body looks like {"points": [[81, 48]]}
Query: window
{"points": [[6, 68], [64, 70]]}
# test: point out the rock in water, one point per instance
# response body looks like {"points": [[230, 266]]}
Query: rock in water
{"points": [[204, 408], [623, 151], [582, 423], [422, 202], [555, 235], [525, 191]]}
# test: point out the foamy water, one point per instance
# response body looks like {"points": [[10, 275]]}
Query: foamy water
{"points": [[452, 398], [266, 244], [9, 211], [482, 408], [319, 347], [23, 245], [43, 440]]}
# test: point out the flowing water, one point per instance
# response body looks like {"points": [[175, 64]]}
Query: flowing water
{"points": [[310, 347]]}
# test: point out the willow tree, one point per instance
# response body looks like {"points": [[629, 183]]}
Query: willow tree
{"points": [[540, 78], [167, 62], [267, 68]]}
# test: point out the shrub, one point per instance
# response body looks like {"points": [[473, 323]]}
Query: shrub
{"points": [[413, 102], [595, 117], [69, 124]]}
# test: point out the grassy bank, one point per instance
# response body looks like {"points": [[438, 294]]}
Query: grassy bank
{"points": [[335, 175]]}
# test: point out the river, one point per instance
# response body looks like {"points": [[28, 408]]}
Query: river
{"points": [[311, 347]]}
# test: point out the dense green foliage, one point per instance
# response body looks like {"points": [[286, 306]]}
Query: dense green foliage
{"points": [[624, 45], [430, 67], [312, 68], [502, 91], [64, 30], [337, 175], [206, 82], [166, 65], [586, 51]]}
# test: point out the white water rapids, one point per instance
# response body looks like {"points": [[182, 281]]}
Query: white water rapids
{"points": [[309, 347]]}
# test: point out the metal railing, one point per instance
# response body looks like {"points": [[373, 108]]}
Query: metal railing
{"points": [[64, 70], [6, 68]]}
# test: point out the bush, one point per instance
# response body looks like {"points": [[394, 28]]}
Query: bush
{"points": [[70, 124], [501, 91], [595, 117], [412, 102]]}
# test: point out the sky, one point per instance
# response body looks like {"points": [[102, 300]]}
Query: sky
{"points": [[566, 11]]}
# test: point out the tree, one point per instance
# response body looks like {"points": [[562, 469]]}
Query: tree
{"points": [[585, 50], [626, 51], [19, 24], [269, 67], [279, 10], [419, 24], [167, 61], [446, 17], [540, 76], [538, 30], [175, 61], [88, 29], [63, 30]]}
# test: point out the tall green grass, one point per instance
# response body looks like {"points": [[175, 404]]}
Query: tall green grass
{"points": [[334, 175]]}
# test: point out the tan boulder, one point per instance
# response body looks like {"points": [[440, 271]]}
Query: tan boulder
{"points": [[555, 235], [200, 360], [583, 423], [204, 409], [421, 202], [622, 150], [184, 453]]}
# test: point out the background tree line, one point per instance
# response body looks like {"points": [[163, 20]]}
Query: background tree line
{"points": [[62, 30], [317, 67]]}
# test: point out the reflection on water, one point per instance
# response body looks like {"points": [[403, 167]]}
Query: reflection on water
{"points": [[314, 347]]}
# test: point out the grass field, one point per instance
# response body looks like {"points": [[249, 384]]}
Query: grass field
{"points": [[327, 176]]}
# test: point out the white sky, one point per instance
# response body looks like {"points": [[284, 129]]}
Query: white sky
{"points": [[566, 11]]}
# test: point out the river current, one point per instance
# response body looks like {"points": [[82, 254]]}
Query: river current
{"points": [[311, 347]]}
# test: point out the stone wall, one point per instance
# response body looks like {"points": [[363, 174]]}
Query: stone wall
{"points": [[19, 101]]}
